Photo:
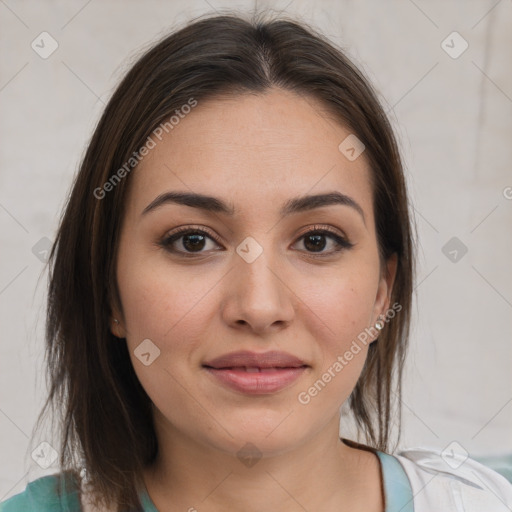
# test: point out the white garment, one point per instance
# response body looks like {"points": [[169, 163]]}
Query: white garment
{"points": [[440, 487]]}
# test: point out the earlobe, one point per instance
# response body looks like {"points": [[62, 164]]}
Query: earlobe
{"points": [[116, 320], [116, 329], [379, 324]]}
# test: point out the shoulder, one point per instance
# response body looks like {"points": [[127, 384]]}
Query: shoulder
{"points": [[453, 481], [46, 494]]}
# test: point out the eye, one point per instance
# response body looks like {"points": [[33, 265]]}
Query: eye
{"points": [[192, 241], [314, 241]]}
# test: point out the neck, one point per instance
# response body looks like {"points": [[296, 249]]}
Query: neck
{"points": [[322, 473]]}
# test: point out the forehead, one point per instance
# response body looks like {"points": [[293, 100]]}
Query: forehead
{"points": [[251, 148]]}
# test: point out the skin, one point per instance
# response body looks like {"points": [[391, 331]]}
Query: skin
{"points": [[288, 299]]}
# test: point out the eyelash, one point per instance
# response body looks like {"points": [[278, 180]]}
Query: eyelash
{"points": [[167, 241]]}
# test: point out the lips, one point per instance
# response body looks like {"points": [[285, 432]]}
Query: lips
{"points": [[256, 362], [256, 374]]}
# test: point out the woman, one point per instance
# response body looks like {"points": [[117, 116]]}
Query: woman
{"points": [[234, 264]]}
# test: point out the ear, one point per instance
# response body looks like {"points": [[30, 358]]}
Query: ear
{"points": [[385, 288], [117, 328]]}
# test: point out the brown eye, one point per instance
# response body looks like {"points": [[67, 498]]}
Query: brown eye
{"points": [[315, 241], [190, 242], [187, 241]]}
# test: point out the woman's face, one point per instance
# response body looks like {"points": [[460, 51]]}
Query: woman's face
{"points": [[253, 280]]}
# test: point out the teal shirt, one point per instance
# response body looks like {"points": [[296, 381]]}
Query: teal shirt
{"points": [[41, 494]]}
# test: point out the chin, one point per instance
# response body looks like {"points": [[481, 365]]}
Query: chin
{"points": [[269, 432], [253, 447]]}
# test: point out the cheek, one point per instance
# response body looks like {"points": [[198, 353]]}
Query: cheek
{"points": [[167, 306], [171, 310], [341, 306], [338, 311]]}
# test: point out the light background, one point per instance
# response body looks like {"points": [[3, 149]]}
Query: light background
{"points": [[453, 117]]}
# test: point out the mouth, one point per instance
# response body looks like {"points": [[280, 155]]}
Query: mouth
{"points": [[256, 374]]}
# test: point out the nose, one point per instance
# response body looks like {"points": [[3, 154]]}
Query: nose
{"points": [[257, 296]]}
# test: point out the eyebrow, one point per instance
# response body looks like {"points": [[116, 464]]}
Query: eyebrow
{"points": [[216, 205]]}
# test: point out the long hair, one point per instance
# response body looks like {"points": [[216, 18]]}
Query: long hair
{"points": [[105, 420]]}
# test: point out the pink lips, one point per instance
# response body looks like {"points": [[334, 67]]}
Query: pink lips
{"points": [[253, 373]]}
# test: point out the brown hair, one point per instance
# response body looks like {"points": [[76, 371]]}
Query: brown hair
{"points": [[104, 413]]}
